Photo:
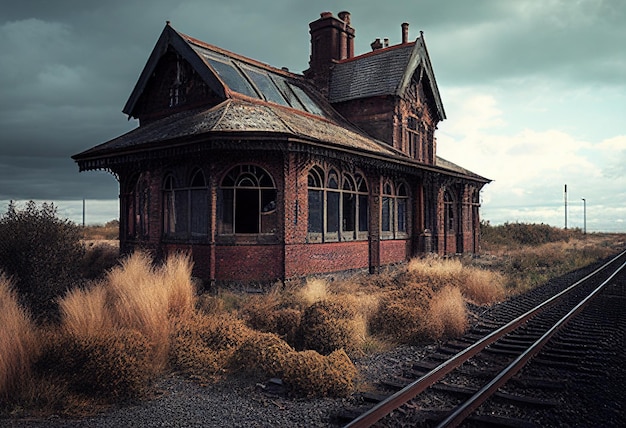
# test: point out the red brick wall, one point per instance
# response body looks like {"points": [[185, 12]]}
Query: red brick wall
{"points": [[394, 251], [248, 262], [305, 259]]}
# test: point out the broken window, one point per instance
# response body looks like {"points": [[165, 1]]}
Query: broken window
{"points": [[247, 202]]}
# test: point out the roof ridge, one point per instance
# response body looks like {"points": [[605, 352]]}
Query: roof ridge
{"points": [[377, 52]]}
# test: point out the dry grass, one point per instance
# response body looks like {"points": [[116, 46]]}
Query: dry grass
{"points": [[447, 315], [18, 343], [478, 285]]}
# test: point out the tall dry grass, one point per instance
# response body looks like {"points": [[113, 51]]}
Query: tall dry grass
{"points": [[134, 296], [477, 285], [447, 314], [18, 342]]}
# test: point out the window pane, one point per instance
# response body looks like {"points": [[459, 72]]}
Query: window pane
{"points": [[226, 206], [199, 213], [332, 213], [181, 210], [349, 212], [386, 214], [363, 214], [308, 103], [269, 217], [316, 215], [247, 211], [233, 78], [169, 224], [402, 215], [266, 86]]}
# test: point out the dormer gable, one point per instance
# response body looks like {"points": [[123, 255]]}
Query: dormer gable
{"points": [[392, 94], [183, 73]]}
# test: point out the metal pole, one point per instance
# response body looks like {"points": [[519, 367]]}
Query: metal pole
{"points": [[566, 207], [584, 216], [83, 212]]}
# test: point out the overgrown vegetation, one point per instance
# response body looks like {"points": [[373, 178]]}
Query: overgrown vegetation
{"points": [[41, 253], [135, 321], [530, 254]]}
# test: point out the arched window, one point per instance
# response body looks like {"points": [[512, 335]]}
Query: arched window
{"points": [[247, 201], [338, 207], [394, 211], [316, 182], [186, 207]]}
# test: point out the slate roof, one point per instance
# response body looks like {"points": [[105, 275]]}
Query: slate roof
{"points": [[385, 71]]}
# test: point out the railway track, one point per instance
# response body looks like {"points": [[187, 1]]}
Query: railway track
{"points": [[521, 364]]}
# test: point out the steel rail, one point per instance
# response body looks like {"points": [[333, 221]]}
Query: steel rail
{"points": [[409, 392], [459, 414]]}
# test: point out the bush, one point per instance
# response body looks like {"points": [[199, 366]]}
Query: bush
{"points": [[98, 259], [262, 354], [202, 344], [43, 255], [313, 375], [114, 364], [403, 314], [327, 326]]}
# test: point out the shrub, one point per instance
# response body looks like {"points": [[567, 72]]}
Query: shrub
{"points": [[313, 375], [43, 255], [327, 326], [98, 259], [203, 344], [262, 354], [18, 342], [403, 314], [113, 364]]}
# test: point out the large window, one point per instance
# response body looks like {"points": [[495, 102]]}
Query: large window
{"points": [[338, 207], [247, 202], [394, 211], [186, 207]]}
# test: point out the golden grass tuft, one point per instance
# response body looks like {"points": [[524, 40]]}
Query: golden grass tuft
{"points": [[84, 312], [18, 343], [447, 315], [314, 290], [477, 285]]}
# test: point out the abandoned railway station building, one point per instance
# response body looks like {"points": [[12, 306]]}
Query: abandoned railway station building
{"points": [[263, 174]]}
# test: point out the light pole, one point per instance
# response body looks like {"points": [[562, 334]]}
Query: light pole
{"points": [[584, 216]]}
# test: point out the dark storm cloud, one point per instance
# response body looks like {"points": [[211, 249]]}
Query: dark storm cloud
{"points": [[67, 67]]}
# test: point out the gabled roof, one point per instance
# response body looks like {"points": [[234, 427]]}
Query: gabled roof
{"points": [[385, 71], [229, 74]]}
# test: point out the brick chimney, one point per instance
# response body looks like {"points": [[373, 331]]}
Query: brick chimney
{"points": [[332, 39], [405, 33]]}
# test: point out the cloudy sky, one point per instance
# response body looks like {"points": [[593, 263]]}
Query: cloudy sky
{"points": [[534, 90]]}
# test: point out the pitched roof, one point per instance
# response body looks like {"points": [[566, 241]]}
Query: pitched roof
{"points": [[385, 71], [258, 98]]}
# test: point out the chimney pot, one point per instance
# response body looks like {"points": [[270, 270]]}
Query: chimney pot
{"points": [[344, 16], [325, 15], [376, 44], [405, 32], [385, 42]]}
